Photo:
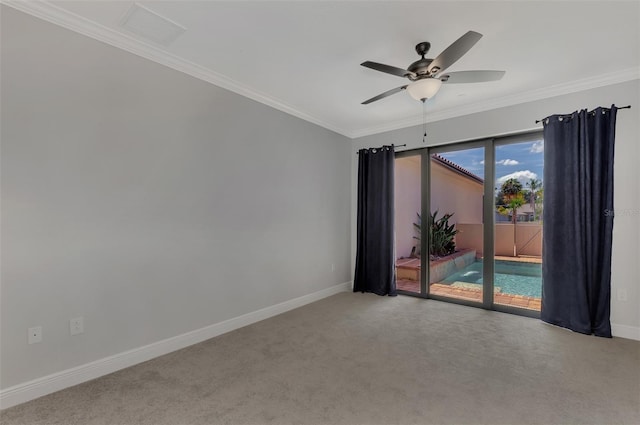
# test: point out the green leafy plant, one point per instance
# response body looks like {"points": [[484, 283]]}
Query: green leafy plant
{"points": [[441, 234]]}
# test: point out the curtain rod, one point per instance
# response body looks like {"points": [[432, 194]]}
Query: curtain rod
{"points": [[568, 115], [394, 146]]}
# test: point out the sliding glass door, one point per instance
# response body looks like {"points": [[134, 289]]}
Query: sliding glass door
{"points": [[469, 223]]}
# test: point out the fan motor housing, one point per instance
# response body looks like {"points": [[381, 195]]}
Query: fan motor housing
{"points": [[419, 67]]}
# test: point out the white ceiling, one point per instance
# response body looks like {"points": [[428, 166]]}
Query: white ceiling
{"points": [[303, 57]]}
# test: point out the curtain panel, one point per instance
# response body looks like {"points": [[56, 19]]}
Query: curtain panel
{"points": [[375, 255], [578, 220]]}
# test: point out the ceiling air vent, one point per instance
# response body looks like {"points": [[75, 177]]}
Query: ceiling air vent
{"points": [[151, 26]]}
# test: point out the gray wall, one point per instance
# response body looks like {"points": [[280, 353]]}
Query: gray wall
{"points": [[149, 202], [625, 315]]}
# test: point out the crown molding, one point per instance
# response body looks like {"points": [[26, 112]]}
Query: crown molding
{"points": [[510, 100], [71, 21], [61, 17]]}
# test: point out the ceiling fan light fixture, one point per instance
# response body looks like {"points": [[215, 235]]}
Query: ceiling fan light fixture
{"points": [[424, 89]]}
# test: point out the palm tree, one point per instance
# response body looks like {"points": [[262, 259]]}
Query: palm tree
{"points": [[513, 199], [511, 187], [534, 186]]}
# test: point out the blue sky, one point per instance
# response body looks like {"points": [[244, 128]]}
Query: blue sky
{"points": [[522, 161]]}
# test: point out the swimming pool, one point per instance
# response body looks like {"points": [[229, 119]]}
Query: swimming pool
{"points": [[510, 276]]}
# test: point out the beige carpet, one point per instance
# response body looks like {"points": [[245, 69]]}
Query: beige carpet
{"points": [[364, 359]]}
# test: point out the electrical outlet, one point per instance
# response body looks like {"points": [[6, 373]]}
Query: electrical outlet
{"points": [[622, 295], [76, 326], [333, 267], [34, 334]]}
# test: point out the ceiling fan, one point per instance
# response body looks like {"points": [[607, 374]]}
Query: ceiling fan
{"points": [[426, 75]]}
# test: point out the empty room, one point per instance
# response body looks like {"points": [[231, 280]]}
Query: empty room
{"points": [[308, 212]]}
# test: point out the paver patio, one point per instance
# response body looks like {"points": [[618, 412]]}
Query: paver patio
{"points": [[531, 303]]}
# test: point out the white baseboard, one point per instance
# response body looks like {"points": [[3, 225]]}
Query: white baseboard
{"points": [[625, 331], [67, 378]]}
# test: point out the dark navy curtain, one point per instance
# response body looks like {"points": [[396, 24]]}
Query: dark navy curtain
{"points": [[578, 220], [375, 262]]}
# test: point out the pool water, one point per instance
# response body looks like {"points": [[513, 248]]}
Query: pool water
{"points": [[510, 276]]}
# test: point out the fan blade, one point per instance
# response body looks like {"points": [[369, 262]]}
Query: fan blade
{"points": [[454, 52], [471, 76], [383, 95], [388, 69]]}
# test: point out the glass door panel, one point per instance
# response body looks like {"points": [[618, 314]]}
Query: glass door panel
{"points": [[407, 210], [456, 179], [518, 224]]}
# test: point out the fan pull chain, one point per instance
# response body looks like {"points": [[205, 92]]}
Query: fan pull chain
{"points": [[424, 121]]}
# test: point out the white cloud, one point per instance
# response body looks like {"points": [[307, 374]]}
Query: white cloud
{"points": [[504, 162], [507, 162], [522, 176], [537, 147]]}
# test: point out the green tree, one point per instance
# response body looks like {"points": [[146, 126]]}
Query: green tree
{"points": [[511, 205], [511, 187], [539, 202], [512, 198], [535, 187]]}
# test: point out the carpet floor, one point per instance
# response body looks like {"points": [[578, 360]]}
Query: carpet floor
{"points": [[364, 359]]}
